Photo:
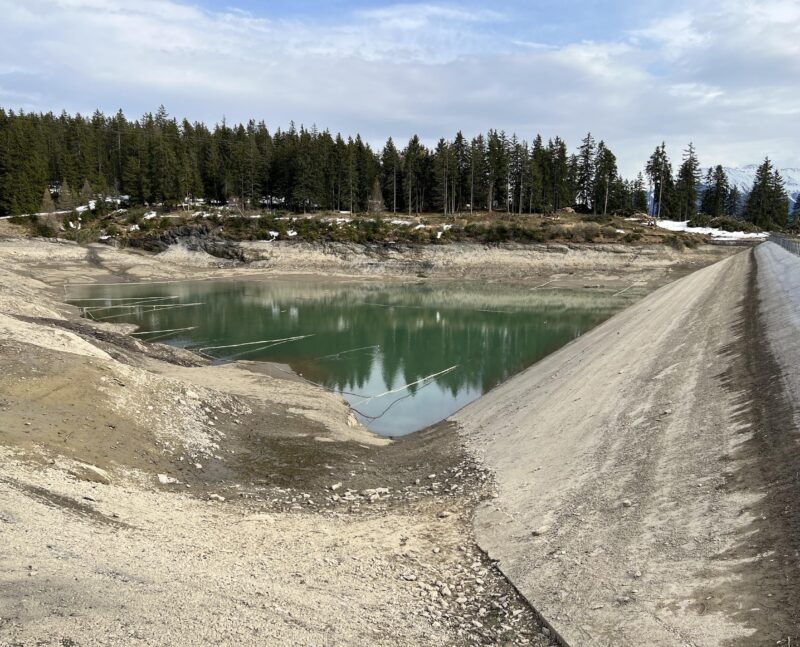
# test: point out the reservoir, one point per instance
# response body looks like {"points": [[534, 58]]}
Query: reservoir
{"points": [[404, 355]]}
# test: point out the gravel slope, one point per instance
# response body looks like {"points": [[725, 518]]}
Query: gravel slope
{"points": [[647, 472]]}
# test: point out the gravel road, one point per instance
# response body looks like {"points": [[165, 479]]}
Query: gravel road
{"points": [[647, 473]]}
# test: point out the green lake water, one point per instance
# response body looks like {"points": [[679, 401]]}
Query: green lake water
{"points": [[375, 343]]}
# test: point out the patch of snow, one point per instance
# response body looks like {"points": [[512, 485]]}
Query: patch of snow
{"points": [[291, 233], [150, 215], [719, 234], [133, 228]]}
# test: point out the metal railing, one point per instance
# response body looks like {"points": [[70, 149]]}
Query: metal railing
{"points": [[789, 244]]}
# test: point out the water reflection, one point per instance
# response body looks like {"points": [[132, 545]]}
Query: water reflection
{"points": [[374, 343]]}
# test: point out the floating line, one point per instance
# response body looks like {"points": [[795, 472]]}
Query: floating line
{"points": [[405, 386], [153, 309], [543, 284], [152, 332], [149, 339], [252, 343], [277, 343], [344, 352], [624, 290], [124, 298]]}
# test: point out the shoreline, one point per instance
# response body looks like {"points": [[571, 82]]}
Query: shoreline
{"points": [[88, 397]]}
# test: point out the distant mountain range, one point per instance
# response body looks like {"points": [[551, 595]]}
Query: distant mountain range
{"points": [[743, 176]]}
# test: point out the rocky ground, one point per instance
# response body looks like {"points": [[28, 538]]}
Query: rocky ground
{"points": [[147, 497]]}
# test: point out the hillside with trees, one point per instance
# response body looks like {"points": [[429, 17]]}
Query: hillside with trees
{"points": [[54, 162]]}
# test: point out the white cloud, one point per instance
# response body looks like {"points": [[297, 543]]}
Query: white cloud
{"points": [[726, 76]]}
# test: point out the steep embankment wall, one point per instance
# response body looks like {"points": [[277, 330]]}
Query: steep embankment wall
{"points": [[635, 469]]}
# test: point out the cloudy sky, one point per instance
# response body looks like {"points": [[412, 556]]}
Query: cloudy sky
{"points": [[722, 73]]}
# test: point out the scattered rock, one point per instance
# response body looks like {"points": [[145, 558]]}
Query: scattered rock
{"points": [[91, 473], [216, 497], [165, 479], [626, 503], [541, 530]]}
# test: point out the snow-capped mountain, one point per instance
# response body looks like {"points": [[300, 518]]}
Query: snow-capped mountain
{"points": [[743, 176]]}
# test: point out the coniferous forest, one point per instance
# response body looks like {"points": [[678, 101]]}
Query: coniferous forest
{"points": [[50, 162]]}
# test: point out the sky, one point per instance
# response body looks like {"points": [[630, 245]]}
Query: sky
{"points": [[724, 74]]}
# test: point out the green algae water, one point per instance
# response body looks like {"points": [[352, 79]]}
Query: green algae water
{"points": [[403, 355]]}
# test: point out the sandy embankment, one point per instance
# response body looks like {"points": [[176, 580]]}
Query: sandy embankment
{"points": [[647, 472], [285, 558], [275, 520]]}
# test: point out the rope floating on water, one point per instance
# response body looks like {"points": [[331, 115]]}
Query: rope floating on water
{"points": [[352, 350], [625, 290], [253, 343], [125, 298], [158, 308], [152, 332], [405, 386]]}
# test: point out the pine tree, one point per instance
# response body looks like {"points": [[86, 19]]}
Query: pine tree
{"points": [[686, 185], [48, 206], [733, 203], [66, 200], [603, 181], [586, 173], [715, 193], [390, 164], [86, 193], [659, 170], [796, 211], [497, 163], [639, 195], [767, 205], [376, 199], [478, 173]]}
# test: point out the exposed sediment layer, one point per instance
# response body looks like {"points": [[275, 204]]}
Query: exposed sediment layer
{"points": [[647, 472]]}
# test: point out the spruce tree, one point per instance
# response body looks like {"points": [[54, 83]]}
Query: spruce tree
{"points": [[733, 203], [586, 173], [66, 200], [715, 193], [686, 185], [767, 205], [390, 164], [47, 206], [639, 195], [659, 170], [603, 182]]}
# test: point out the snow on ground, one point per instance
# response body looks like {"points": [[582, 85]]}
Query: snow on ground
{"points": [[719, 234]]}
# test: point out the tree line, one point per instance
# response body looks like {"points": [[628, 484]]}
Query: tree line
{"points": [[44, 158], [681, 197]]}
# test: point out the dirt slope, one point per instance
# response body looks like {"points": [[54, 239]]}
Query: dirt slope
{"points": [[647, 474]]}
